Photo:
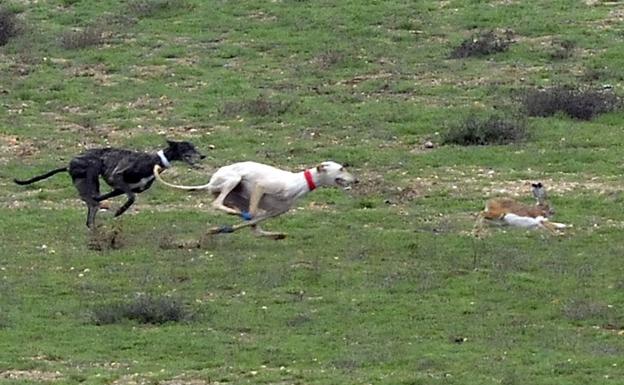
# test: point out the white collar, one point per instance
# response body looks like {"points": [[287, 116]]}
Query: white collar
{"points": [[163, 159]]}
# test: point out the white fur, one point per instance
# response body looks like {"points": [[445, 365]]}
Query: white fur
{"points": [[529, 222], [163, 158], [525, 222], [270, 191]]}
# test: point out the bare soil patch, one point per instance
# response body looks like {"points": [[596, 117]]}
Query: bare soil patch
{"points": [[97, 72], [12, 146]]}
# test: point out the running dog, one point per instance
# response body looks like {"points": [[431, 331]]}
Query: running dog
{"points": [[257, 191], [127, 172]]}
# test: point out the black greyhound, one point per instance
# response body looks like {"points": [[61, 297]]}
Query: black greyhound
{"points": [[127, 172]]}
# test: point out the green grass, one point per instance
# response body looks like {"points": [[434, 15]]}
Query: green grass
{"points": [[383, 284]]}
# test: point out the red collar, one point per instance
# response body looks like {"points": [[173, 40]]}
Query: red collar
{"points": [[308, 177]]}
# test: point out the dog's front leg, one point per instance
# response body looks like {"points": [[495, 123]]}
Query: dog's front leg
{"points": [[131, 198], [110, 194], [254, 201], [120, 184]]}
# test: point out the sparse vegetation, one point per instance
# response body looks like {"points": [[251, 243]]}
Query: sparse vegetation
{"points": [[4, 320], [149, 8], [581, 309], [577, 103], [260, 106], [144, 309], [494, 129], [483, 44]]}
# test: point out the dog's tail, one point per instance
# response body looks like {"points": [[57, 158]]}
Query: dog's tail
{"points": [[40, 177], [157, 170]]}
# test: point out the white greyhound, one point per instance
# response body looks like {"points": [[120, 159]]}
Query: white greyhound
{"points": [[257, 191]]}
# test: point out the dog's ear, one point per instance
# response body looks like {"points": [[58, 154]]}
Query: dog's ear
{"points": [[320, 168], [171, 143]]}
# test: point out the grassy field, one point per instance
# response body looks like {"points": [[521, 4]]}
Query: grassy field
{"points": [[383, 284]]}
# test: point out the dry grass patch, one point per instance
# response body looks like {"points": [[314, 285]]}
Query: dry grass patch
{"points": [[30, 375], [148, 72], [185, 381], [15, 147], [97, 72]]}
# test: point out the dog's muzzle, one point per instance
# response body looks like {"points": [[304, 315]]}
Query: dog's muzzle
{"points": [[194, 160], [345, 183]]}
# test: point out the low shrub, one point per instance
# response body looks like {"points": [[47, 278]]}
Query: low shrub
{"points": [[562, 49], [144, 309], [88, 37], [494, 129], [8, 26], [328, 59], [482, 44], [576, 103], [580, 309]]}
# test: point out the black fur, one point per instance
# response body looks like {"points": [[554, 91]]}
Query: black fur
{"points": [[127, 172]]}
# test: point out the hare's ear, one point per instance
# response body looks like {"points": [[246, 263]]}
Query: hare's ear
{"points": [[539, 192]]}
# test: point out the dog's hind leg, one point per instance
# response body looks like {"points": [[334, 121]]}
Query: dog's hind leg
{"points": [[225, 189], [88, 187], [253, 223], [91, 211]]}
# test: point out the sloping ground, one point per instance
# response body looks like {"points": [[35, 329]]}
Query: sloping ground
{"points": [[381, 284]]}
